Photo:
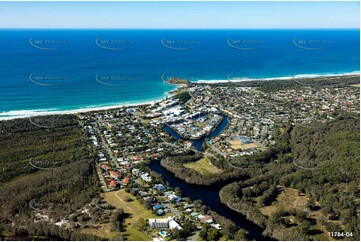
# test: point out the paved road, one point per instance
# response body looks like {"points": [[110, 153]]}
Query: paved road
{"points": [[195, 236], [107, 148]]}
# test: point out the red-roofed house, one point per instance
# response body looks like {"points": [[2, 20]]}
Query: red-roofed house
{"points": [[114, 174], [112, 183], [216, 139], [106, 168], [206, 219], [125, 180]]}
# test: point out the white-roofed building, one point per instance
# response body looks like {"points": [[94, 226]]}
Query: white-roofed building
{"points": [[159, 223], [174, 225]]}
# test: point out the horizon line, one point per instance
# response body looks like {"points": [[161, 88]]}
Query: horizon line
{"points": [[91, 28]]}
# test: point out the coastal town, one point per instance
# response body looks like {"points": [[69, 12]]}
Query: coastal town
{"points": [[128, 139], [165, 170], [180, 120]]}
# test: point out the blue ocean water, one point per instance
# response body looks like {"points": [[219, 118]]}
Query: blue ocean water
{"points": [[57, 70]]}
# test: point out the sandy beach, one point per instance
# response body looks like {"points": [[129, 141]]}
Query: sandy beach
{"points": [[33, 113], [305, 76], [18, 114]]}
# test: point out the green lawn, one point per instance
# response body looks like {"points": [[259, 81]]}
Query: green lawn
{"points": [[136, 211], [203, 166]]}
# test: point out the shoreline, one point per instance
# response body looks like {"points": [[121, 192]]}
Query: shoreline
{"points": [[46, 112], [52, 111], [300, 76]]}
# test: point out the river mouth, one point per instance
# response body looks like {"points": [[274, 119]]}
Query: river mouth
{"points": [[198, 143], [210, 197]]}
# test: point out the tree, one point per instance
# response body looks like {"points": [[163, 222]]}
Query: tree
{"points": [[128, 199], [213, 234], [116, 220], [117, 237], [178, 191], [240, 235], [203, 234], [188, 228], [177, 234], [140, 224]]}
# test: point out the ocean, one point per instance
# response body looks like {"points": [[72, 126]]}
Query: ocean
{"points": [[51, 71]]}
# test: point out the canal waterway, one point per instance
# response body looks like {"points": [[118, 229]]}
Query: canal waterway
{"points": [[199, 142], [210, 197], [208, 194]]}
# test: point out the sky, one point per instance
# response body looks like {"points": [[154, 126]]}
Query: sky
{"points": [[180, 15]]}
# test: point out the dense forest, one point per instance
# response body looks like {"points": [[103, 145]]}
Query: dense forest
{"points": [[318, 82], [47, 173], [276, 85], [322, 165]]}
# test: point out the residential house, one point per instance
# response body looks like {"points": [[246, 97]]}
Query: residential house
{"points": [[174, 225]]}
